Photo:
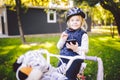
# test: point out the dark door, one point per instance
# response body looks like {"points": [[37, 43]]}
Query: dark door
{"points": [[3, 25]]}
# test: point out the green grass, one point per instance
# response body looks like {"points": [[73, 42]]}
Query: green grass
{"points": [[100, 44], [108, 49]]}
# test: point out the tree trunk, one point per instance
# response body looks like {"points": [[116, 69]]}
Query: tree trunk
{"points": [[116, 15], [114, 9], [117, 20], [18, 11]]}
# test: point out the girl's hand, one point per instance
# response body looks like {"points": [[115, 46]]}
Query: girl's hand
{"points": [[72, 46], [64, 36]]}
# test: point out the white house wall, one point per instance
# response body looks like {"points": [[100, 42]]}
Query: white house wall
{"points": [[3, 28]]}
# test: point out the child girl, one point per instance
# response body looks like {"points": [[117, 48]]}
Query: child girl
{"points": [[73, 41]]}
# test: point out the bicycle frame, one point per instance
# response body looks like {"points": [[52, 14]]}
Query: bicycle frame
{"points": [[100, 71]]}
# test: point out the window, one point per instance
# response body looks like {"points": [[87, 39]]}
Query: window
{"points": [[51, 17]]}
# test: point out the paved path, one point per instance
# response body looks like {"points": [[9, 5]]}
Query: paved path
{"points": [[35, 35]]}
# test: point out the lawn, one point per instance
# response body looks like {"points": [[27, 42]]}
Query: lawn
{"points": [[101, 44]]}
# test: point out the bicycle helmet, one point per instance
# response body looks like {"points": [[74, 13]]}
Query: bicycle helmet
{"points": [[75, 11]]}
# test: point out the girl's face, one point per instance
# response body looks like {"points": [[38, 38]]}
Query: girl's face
{"points": [[75, 22]]}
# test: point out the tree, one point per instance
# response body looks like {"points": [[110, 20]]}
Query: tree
{"points": [[22, 4], [19, 5], [18, 11], [101, 15], [111, 5]]}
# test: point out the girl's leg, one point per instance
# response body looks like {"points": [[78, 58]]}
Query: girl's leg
{"points": [[74, 69], [64, 60]]}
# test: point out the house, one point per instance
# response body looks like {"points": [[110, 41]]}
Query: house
{"points": [[34, 21]]}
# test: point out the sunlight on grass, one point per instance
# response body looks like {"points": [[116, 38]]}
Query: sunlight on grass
{"points": [[5, 52], [104, 39], [9, 47], [6, 49], [34, 44], [29, 45], [43, 45], [47, 44], [25, 46]]}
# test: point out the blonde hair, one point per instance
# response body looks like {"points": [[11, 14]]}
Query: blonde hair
{"points": [[84, 25]]}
